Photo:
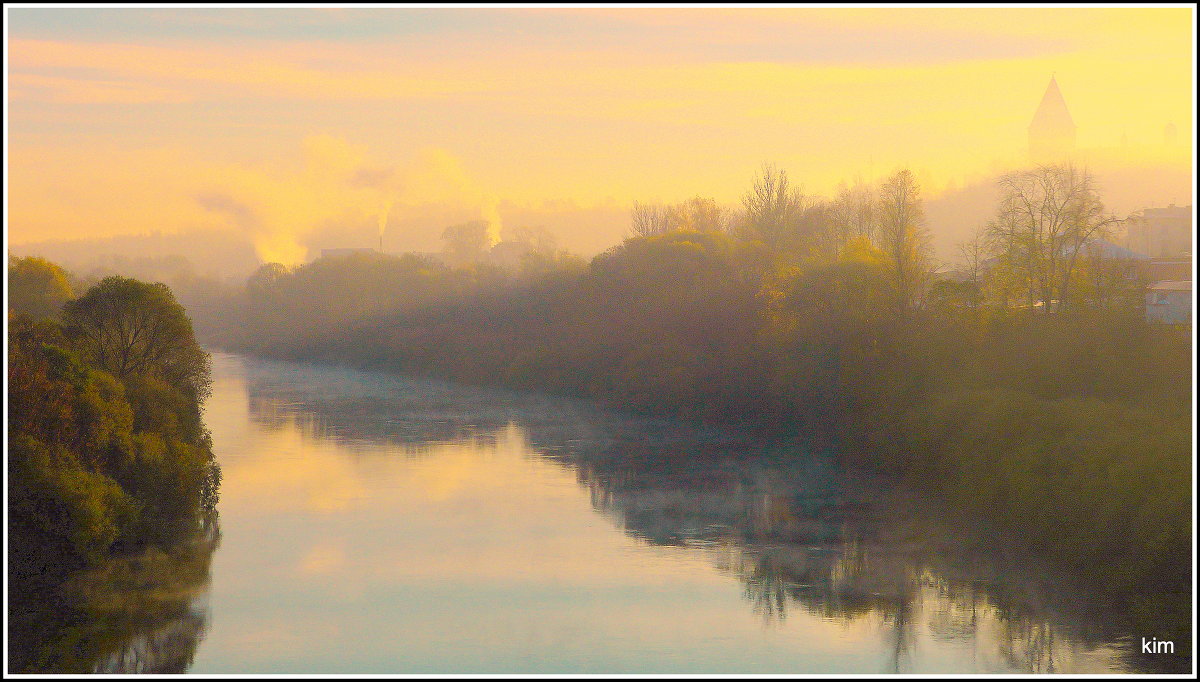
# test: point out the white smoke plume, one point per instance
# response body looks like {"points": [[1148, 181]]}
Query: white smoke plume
{"points": [[339, 183]]}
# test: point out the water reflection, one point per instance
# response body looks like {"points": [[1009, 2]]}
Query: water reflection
{"points": [[143, 613], [455, 488], [798, 536]]}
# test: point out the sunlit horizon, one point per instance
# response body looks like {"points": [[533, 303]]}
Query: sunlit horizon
{"points": [[281, 122], [601, 340]]}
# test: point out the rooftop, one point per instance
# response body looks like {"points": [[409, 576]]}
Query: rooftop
{"points": [[1171, 285], [1052, 113]]}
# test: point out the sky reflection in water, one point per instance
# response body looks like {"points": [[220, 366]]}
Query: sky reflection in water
{"points": [[376, 524]]}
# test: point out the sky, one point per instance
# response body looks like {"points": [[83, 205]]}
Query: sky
{"points": [[284, 122]]}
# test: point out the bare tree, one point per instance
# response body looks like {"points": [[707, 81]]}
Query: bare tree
{"points": [[699, 214], [974, 255], [649, 220], [773, 207], [1046, 217], [903, 238], [853, 212]]}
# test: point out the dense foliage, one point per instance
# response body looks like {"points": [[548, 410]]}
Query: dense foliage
{"points": [[37, 287], [107, 452]]}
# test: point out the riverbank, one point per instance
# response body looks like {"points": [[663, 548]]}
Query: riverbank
{"points": [[1070, 431], [112, 482]]}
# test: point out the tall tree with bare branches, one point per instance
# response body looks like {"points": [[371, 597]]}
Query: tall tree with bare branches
{"points": [[1047, 216], [773, 206], [648, 220], [903, 238]]}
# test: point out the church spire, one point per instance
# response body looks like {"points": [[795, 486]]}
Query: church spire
{"points": [[1052, 131]]}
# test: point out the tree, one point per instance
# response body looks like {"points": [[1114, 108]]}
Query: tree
{"points": [[128, 327], [835, 351], [37, 287], [973, 253], [853, 212], [265, 277], [1107, 282], [649, 220], [773, 207], [699, 214], [103, 472], [538, 238], [1046, 217], [467, 242], [903, 238]]}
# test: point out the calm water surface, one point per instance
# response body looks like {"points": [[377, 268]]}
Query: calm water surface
{"points": [[377, 524]]}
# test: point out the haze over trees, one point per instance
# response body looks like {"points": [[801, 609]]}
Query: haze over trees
{"points": [[1025, 388], [108, 453], [467, 242], [37, 287], [1046, 219], [824, 318]]}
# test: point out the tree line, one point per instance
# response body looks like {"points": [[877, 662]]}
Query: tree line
{"points": [[1026, 387]]}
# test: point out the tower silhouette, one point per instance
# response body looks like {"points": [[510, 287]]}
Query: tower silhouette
{"points": [[1052, 131]]}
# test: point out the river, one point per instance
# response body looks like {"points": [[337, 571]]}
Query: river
{"points": [[371, 523]]}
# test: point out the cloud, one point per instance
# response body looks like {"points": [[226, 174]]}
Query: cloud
{"points": [[62, 70], [453, 110], [242, 214], [27, 86], [338, 183]]}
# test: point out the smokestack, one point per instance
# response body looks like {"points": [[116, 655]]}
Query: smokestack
{"points": [[383, 218]]}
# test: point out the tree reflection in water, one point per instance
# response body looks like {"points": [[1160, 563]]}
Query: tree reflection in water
{"points": [[840, 552], [142, 613], [796, 528]]}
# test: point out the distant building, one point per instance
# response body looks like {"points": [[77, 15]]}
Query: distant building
{"points": [[1161, 232], [956, 275], [1110, 251], [1159, 269], [1169, 302], [1118, 260], [333, 253], [435, 256], [1052, 131]]}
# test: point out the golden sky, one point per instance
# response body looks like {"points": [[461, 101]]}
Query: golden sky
{"points": [[280, 120]]}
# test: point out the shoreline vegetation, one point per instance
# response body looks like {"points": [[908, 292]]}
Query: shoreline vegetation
{"points": [[1026, 389], [112, 481]]}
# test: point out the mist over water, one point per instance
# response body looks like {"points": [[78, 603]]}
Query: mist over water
{"points": [[380, 524]]}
